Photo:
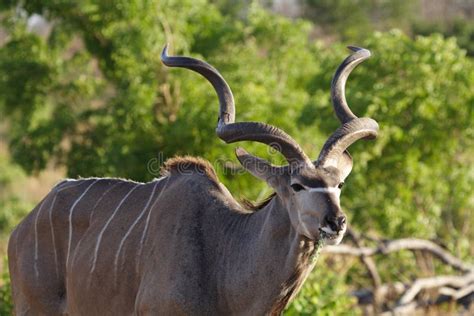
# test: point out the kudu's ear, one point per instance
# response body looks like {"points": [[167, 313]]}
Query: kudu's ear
{"points": [[343, 163], [256, 166]]}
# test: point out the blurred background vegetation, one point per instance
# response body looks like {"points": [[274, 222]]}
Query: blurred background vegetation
{"points": [[83, 93]]}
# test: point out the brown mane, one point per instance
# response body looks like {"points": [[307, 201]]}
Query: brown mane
{"points": [[252, 206], [186, 165]]}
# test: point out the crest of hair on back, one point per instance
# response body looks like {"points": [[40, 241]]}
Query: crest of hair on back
{"points": [[189, 165]]}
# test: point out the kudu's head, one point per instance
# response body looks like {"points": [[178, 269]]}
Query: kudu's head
{"points": [[309, 189]]}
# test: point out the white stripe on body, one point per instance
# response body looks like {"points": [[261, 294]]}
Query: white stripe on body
{"points": [[132, 226], [64, 187], [142, 240], [99, 238], [36, 238], [58, 188], [90, 217], [52, 234], [101, 198], [71, 211]]}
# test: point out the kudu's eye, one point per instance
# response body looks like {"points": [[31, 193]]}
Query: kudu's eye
{"points": [[297, 187], [340, 185]]}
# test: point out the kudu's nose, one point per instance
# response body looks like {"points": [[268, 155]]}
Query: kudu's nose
{"points": [[336, 223]]}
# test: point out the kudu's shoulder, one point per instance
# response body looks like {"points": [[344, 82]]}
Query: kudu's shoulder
{"points": [[196, 177]]}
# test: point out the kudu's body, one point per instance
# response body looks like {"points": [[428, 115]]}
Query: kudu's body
{"points": [[181, 245], [202, 258]]}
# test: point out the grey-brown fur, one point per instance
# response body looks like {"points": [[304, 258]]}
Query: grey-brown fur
{"points": [[205, 258], [182, 245]]}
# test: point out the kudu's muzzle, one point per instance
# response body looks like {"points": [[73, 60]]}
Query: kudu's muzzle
{"points": [[336, 222]]}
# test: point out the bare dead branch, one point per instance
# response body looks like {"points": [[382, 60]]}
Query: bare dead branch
{"points": [[450, 287], [386, 291], [457, 294], [407, 309], [421, 284], [386, 247], [434, 282], [371, 269]]}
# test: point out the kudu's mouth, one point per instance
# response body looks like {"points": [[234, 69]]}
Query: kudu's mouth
{"points": [[331, 237]]}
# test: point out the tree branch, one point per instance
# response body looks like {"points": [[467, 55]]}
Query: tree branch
{"points": [[434, 282], [451, 287], [389, 246], [371, 269]]}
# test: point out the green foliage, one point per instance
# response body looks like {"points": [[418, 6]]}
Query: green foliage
{"points": [[417, 173], [354, 19], [93, 97], [461, 29], [110, 107], [325, 293], [12, 206], [6, 305]]}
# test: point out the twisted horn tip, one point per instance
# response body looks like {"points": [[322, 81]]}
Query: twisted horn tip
{"points": [[361, 50], [164, 53]]}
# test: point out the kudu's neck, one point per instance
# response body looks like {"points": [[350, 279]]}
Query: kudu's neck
{"points": [[267, 256]]}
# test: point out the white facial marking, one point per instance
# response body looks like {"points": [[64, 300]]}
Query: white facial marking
{"points": [[70, 218], [335, 191], [133, 225], [99, 238], [36, 239], [325, 190]]}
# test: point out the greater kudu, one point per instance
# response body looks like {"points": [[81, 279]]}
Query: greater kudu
{"points": [[182, 245]]}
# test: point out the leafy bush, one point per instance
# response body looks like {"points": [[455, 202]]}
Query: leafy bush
{"points": [[12, 206], [325, 293], [354, 19], [416, 179], [93, 97], [6, 305], [461, 29]]}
